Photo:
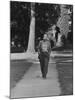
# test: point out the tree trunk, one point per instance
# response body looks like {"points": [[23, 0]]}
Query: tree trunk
{"points": [[31, 42]]}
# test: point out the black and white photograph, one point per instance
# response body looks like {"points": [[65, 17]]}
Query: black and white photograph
{"points": [[41, 49]]}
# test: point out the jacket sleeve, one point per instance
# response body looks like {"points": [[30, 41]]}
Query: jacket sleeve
{"points": [[49, 50]]}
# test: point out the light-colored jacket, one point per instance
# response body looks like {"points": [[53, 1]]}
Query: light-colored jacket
{"points": [[44, 47]]}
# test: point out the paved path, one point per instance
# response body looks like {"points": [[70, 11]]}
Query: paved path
{"points": [[32, 84]]}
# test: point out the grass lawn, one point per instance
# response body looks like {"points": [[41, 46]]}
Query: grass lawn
{"points": [[17, 70], [65, 75]]}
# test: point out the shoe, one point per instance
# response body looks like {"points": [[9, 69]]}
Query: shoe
{"points": [[44, 76]]}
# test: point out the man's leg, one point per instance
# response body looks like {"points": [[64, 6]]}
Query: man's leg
{"points": [[42, 64], [46, 66]]}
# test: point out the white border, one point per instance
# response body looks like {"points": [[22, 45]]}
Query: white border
{"points": [[5, 44], [50, 1]]}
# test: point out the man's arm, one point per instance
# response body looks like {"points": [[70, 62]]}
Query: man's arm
{"points": [[49, 50], [39, 46]]}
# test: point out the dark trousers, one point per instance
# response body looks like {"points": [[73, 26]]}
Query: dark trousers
{"points": [[44, 64]]}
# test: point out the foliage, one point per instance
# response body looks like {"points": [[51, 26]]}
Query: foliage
{"points": [[45, 15]]}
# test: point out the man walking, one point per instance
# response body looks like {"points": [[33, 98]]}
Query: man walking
{"points": [[44, 51]]}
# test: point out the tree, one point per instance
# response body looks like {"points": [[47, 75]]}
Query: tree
{"points": [[70, 33], [27, 28], [20, 21], [65, 21], [47, 15], [31, 43]]}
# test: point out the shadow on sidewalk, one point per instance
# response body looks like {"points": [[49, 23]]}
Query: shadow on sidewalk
{"points": [[65, 76]]}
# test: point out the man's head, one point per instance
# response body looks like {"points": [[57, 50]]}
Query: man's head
{"points": [[53, 27], [45, 37]]}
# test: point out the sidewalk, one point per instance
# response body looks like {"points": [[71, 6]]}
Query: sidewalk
{"points": [[32, 84], [21, 56]]}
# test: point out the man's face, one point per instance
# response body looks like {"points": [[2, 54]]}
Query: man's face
{"points": [[45, 37], [53, 27]]}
